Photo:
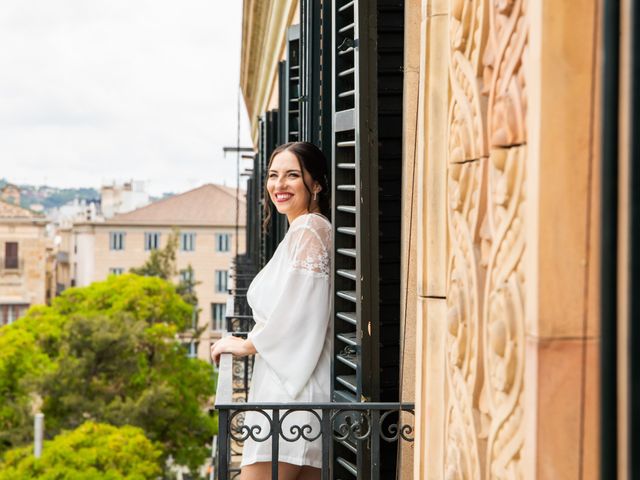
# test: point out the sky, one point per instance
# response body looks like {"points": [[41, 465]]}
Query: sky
{"points": [[96, 91]]}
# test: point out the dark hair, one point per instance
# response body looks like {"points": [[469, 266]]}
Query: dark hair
{"points": [[312, 160]]}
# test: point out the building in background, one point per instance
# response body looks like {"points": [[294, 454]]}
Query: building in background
{"points": [[77, 210], [205, 219], [26, 261], [62, 251], [122, 198]]}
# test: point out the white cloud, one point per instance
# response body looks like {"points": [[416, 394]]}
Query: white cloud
{"points": [[93, 90]]}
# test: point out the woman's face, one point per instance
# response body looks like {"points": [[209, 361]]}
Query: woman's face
{"points": [[286, 186]]}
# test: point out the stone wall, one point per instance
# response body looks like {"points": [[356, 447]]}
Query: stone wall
{"points": [[507, 246], [28, 283]]}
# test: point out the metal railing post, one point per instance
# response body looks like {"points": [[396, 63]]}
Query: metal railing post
{"points": [[275, 443], [223, 444], [375, 444], [325, 430]]}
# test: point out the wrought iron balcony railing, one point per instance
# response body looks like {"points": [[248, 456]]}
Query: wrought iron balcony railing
{"points": [[371, 424]]}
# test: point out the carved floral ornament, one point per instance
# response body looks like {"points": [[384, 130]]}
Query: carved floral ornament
{"points": [[486, 277]]}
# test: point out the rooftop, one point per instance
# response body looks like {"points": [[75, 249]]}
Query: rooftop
{"points": [[208, 205], [15, 212]]}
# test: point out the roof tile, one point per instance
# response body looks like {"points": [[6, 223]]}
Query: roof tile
{"points": [[208, 205]]}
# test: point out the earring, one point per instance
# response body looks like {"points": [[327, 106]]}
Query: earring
{"points": [[315, 196]]}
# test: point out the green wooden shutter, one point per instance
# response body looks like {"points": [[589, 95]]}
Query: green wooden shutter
{"points": [[315, 67], [351, 227], [268, 137], [292, 85], [253, 216], [367, 164]]}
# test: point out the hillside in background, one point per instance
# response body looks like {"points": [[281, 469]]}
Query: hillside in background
{"points": [[50, 197]]}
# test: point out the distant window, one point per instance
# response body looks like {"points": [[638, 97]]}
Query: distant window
{"points": [[116, 271], [11, 255], [192, 348], [187, 242], [9, 313], [222, 277], [116, 240], [151, 240], [218, 312], [223, 242], [187, 276]]}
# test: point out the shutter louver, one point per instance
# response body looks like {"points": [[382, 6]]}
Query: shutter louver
{"points": [[367, 164], [268, 136], [292, 85], [347, 379], [315, 68]]}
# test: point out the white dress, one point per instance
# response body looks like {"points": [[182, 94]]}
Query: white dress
{"points": [[291, 302]]}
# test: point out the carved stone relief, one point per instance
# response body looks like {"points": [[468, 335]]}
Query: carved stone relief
{"points": [[503, 332], [504, 73], [486, 277], [468, 33], [466, 180]]}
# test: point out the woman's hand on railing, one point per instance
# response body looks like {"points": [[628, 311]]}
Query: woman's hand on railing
{"points": [[233, 345]]}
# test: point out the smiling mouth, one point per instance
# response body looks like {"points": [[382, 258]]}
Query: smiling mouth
{"points": [[283, 197]]}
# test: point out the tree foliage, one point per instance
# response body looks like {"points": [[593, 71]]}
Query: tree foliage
{"points": [[107, 353], [162, 261], [150, 299], [162, 264], [93, 451], [21, 361]]}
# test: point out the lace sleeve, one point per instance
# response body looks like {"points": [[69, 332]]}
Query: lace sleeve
{"points": [[310, 247]]}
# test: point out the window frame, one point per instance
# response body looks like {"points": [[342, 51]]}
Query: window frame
{"points": [[187, 241], [117, 240], [223, 242], [15, 263], [10, 312], [218, 280], [192, 347], [147, 241], [218, 316], [184, 278]]}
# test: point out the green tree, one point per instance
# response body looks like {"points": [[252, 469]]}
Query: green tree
{"points": [[21, 361], [110, 353], [145, 298], [187, 285], [93, 451], [120, 370], [162, 264]]}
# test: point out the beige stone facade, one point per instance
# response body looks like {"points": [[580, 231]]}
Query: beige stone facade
{"points": [[507, 350], [205, 221], [63, 249], [25, 261]]}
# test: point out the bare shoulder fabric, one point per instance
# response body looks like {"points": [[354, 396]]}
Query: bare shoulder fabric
{"points": [[291, 303]]}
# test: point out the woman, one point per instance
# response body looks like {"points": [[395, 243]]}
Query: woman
{"points": [[290, 298]]}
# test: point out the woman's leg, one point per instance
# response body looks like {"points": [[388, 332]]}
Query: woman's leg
{"points": [[309, 473], [262, 471]]}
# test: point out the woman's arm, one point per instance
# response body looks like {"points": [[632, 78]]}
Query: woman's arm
{"points": [[233, 345]]}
